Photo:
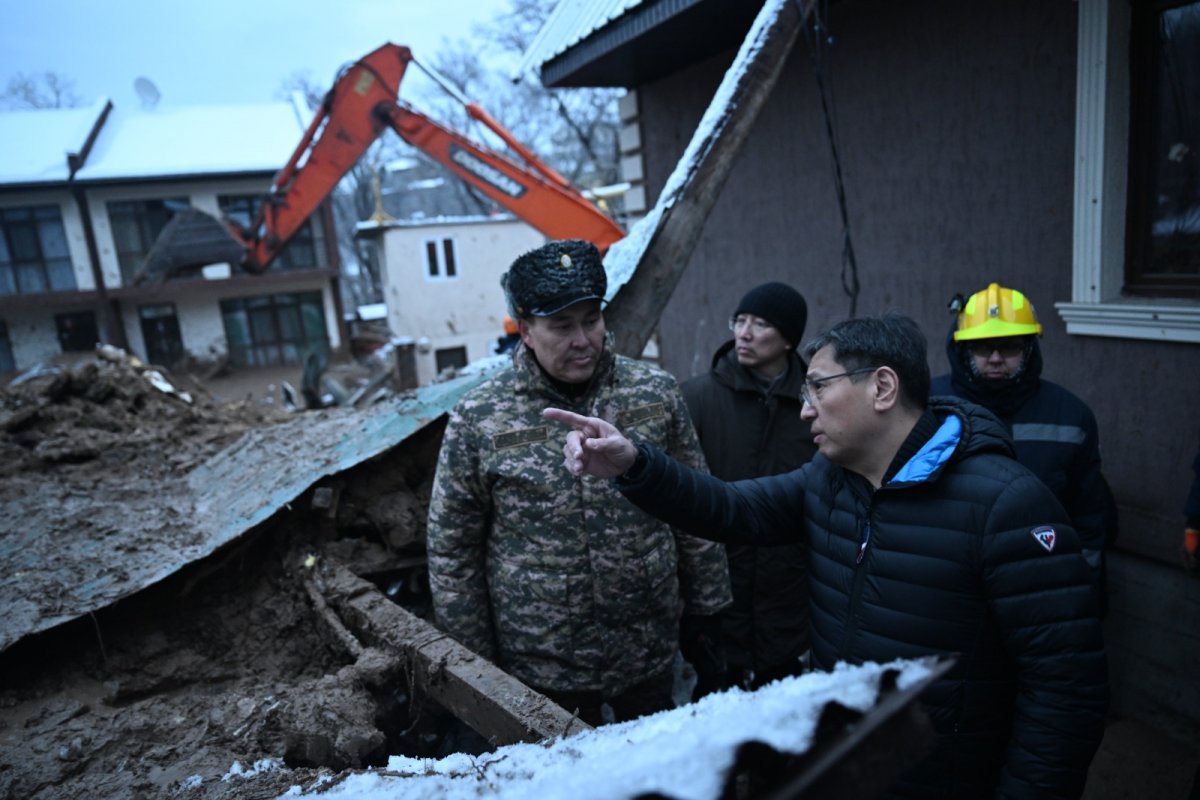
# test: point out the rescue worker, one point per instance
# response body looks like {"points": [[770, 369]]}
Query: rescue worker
{"points": [[559, 581], [925, 537], [746, 410], [996, 361]]}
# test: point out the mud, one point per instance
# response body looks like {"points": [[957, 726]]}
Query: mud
{"points": [[220, 680]]}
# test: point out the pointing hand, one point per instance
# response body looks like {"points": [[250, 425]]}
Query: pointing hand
{"points": [[594, 447]]}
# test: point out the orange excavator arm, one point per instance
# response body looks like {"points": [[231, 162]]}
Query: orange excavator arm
{"points": [[362, 103]]}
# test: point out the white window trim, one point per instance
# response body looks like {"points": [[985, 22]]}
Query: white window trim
{"points": [[1101, 160]]}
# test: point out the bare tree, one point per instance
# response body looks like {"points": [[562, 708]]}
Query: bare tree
{"points": [[574, 130], [39, 90]]}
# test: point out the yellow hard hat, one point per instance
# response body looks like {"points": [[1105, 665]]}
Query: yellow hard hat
{"points": [[994, 313]]}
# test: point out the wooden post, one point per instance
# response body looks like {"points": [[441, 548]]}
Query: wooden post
{"points": [[684, 205], [495, 704]]}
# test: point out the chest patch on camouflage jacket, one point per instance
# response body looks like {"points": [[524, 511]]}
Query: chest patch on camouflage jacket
{"points": [[632, 416], [511, 439]]}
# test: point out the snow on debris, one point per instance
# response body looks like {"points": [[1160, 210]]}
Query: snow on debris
{"points": [[682, 753], [622, 257]]}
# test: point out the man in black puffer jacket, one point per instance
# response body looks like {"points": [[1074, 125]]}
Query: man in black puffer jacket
{"points": [[746, 411], [925, 537]]}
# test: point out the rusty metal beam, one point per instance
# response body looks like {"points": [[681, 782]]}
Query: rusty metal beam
{"points": [[498, 706]]}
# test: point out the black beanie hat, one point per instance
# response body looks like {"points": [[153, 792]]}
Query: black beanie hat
{"points": [[780, 305]]}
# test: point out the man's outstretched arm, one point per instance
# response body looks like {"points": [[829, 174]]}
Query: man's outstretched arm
{"points": [[759, 511]]}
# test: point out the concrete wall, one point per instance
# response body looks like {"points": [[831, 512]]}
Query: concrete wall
{"points": [[465, 311], [956, 130]]}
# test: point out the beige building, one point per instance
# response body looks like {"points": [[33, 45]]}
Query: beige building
{"points": [[441, 285]]}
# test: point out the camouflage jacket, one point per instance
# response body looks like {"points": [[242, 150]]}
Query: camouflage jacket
{"points": [[561, 581]]}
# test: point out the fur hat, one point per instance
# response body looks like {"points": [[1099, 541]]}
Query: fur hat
{"points": [[780, 305], [558, 274]]}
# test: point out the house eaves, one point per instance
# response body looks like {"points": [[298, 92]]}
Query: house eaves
{"points": [[644, 43]]}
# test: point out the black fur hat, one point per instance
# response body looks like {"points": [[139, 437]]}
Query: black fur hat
{"points": [[558, 274]]}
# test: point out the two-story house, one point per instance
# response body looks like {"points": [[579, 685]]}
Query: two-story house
{"points": [[85, 192]]}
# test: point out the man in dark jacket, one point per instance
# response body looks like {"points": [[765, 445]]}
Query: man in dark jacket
{"points": [[746, 410], [925, 537], [996, 361]]}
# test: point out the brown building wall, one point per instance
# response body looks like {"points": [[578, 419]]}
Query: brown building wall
{"points": [[955, 127]]}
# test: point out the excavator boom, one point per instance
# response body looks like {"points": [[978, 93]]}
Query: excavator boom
{"points": [[361, 104]]}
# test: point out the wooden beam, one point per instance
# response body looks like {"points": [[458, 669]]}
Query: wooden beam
{"points": [[498, 706], [683, 206]]}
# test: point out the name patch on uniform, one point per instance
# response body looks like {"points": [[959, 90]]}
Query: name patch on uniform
{"points": [[505, 441], [1045, 536], [632, 416]]}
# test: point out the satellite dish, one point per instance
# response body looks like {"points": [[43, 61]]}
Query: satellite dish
{"points": [[147, 91]]}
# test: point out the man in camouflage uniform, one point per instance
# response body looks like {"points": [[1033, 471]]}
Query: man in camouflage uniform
{"points": [[558, 580]]}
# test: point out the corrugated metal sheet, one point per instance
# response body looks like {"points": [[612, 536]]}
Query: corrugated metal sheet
{"points": [[569, 23], [189, 518]]}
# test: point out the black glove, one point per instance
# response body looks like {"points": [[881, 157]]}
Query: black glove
{"points": [[701, 644]]}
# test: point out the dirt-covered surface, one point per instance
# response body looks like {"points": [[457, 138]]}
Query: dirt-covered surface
{"points": [[217, 680]]}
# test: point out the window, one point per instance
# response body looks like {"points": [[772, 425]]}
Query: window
{"points": [[1101, 303], [33, 251], [136, 225], [77, 331], [450, 357], [271, 330], [302, 250], [7, 362], [440, 262], [1164, 177]]}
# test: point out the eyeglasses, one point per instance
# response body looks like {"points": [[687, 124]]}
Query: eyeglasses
{"points": [[810, 392], [758, 326], [1007, 348]]}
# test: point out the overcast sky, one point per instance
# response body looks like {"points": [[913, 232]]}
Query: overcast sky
{"points": [[218, 51]]}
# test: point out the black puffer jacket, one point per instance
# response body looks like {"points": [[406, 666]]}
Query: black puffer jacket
{"points": [[748, 430], [961, 551], [1055, 435]]}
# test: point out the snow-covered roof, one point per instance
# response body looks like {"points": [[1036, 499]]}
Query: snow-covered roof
{"points": [[570, 23], [140, 143], [34, 145]]}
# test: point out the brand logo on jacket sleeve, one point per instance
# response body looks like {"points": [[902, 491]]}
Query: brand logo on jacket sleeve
{"points": [[1045, 536]]}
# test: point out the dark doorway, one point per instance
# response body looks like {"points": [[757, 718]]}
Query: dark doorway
{"points": [[160, 330], [7, 362], [77, 331]]}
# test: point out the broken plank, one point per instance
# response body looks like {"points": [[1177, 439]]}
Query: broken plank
{"points": [[495, 704], [655, 253]]}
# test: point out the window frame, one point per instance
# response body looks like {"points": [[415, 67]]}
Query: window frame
{"points": [[440, 256], [51, 269], [308, 240], [1098, 305], [289, 344], [1146, 139]]}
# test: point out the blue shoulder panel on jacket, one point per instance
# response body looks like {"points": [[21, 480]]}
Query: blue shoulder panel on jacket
{"points": [[933, 453]]}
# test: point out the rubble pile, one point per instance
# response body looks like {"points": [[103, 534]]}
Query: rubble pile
{"points": [[210, 681], [113, 410]]}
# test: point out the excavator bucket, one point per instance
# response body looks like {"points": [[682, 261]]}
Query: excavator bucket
{"points": [[191, 240]]}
